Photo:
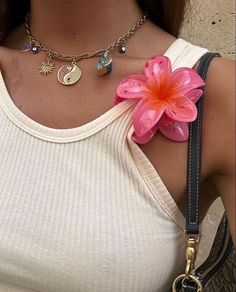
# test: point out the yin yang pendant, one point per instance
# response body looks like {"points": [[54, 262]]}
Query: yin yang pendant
{"points": [[69, 74]]}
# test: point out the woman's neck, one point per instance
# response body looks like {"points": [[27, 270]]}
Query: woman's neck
{"points": [[78, 25]]}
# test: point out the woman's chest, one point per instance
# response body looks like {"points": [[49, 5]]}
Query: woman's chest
{"points": [[66, 108], [56, 106], [70, 221]]}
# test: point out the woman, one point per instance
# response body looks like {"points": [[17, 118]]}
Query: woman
{"points": [[84, 207]]}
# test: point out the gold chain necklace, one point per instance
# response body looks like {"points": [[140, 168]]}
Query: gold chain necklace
{"points": [[69, 74]]}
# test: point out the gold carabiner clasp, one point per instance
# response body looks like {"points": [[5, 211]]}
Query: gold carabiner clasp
{"points": [[191, 252], [190, 257]]}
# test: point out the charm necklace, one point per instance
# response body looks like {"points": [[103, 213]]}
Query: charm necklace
{"points": [[70, 73]]}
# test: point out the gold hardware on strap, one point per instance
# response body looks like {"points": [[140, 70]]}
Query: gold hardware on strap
{"points": [[191, 252], [184, 277], [191, 241], [191, 255]]}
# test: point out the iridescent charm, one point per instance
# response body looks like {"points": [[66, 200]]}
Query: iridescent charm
{"points": [[26, 48], [104, 65]]}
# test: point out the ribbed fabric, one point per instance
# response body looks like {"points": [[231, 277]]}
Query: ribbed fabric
{"points": [[83, 209]]}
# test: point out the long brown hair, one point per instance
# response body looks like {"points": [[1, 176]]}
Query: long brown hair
{"points": [[167, 14]]}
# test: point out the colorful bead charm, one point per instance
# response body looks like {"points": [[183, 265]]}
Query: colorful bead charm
{"points": [[104, 65]]}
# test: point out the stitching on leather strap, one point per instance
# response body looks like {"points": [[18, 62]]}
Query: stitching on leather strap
{"points": [[195, 128]]}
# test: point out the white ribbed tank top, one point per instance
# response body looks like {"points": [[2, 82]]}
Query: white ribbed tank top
{"points": [[83, 209]]}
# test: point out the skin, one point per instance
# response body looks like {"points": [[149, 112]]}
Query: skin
{"points": [[64, 26]]}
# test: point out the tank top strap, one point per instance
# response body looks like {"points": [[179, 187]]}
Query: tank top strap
{"points": [[184, 54]]}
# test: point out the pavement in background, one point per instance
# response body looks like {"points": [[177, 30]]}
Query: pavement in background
{"points": [[211, 24]]}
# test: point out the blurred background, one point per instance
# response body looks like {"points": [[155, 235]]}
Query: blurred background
{"points": [[211, 24]]}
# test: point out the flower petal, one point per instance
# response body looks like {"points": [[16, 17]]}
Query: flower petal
{"points": [[173, 130], [133, 86], [185, 79], [194, 95], [145, 138], [158, 68], [182, 109], [145, 118], [117, 100]]}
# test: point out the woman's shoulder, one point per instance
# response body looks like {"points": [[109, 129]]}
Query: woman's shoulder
{"points": [[4, 51], [6, 55], [219, 132], [3, 54], [7, 59], [219, 106]]}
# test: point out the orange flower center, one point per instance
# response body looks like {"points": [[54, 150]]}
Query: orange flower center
{"points": [[159, 94]]}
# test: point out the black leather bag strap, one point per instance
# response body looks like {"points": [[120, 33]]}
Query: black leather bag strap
{"points": [[194, 170], [194, 155]]}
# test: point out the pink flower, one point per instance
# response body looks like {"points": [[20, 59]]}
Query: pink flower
{"points": [[166, 99]]}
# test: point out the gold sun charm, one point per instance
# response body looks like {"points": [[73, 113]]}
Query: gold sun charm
{"points": [[46, 68]]}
